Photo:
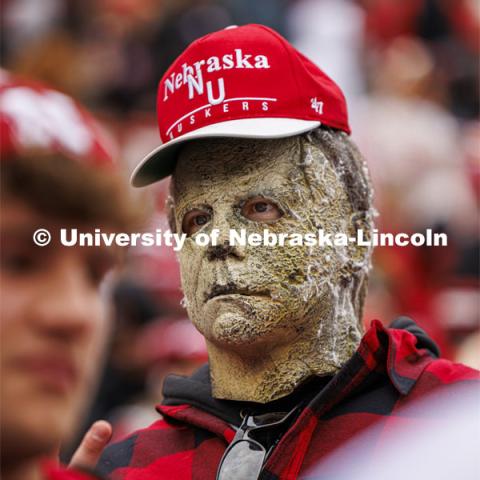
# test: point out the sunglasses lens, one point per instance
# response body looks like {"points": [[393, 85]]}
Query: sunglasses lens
{"points": [[243, 462]]}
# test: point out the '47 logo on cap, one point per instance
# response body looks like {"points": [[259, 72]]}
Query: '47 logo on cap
{"points": [[316, 105]]}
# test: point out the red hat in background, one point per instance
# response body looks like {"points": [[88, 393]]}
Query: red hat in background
{"points": [[33, 116], [245, 82]]}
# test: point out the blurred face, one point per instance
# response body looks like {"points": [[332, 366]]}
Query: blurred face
{"points": [[53, 328], [254, 299]]}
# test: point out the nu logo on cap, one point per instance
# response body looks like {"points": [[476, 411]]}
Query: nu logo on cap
{"points": [[192, 75]]}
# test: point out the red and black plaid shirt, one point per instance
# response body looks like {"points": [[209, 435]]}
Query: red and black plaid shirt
{"points": [[50, 470], [387, 372]]}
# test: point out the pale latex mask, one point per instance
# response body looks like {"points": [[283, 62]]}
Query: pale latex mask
{"points": [[272, 316]]}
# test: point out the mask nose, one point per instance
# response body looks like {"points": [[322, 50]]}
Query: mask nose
{"points": [[225, 250]]}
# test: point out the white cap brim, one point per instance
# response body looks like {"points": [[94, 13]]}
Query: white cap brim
{"points": [[160, 162]]}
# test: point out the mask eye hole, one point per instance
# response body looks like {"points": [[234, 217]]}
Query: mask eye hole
{"points": [[194, 220], [261, 209]]}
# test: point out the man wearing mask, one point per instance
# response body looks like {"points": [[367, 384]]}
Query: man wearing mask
{"points": [[256, 137]]}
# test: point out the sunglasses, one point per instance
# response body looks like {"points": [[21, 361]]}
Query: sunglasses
{"points": [[246, 455]]}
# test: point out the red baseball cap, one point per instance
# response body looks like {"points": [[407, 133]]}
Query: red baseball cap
{"points": [[244, 82], [35, 116]]}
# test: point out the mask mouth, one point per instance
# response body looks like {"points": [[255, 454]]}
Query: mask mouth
{"points": [[231, 289]]}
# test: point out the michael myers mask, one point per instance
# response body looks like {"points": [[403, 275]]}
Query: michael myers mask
{"points": [[273, 316]]}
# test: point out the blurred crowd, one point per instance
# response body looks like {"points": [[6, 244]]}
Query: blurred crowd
{"points": [[410, 73]]}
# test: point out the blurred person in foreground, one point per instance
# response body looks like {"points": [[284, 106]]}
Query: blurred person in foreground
{"points": [[57, 171], [257, 137]]}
